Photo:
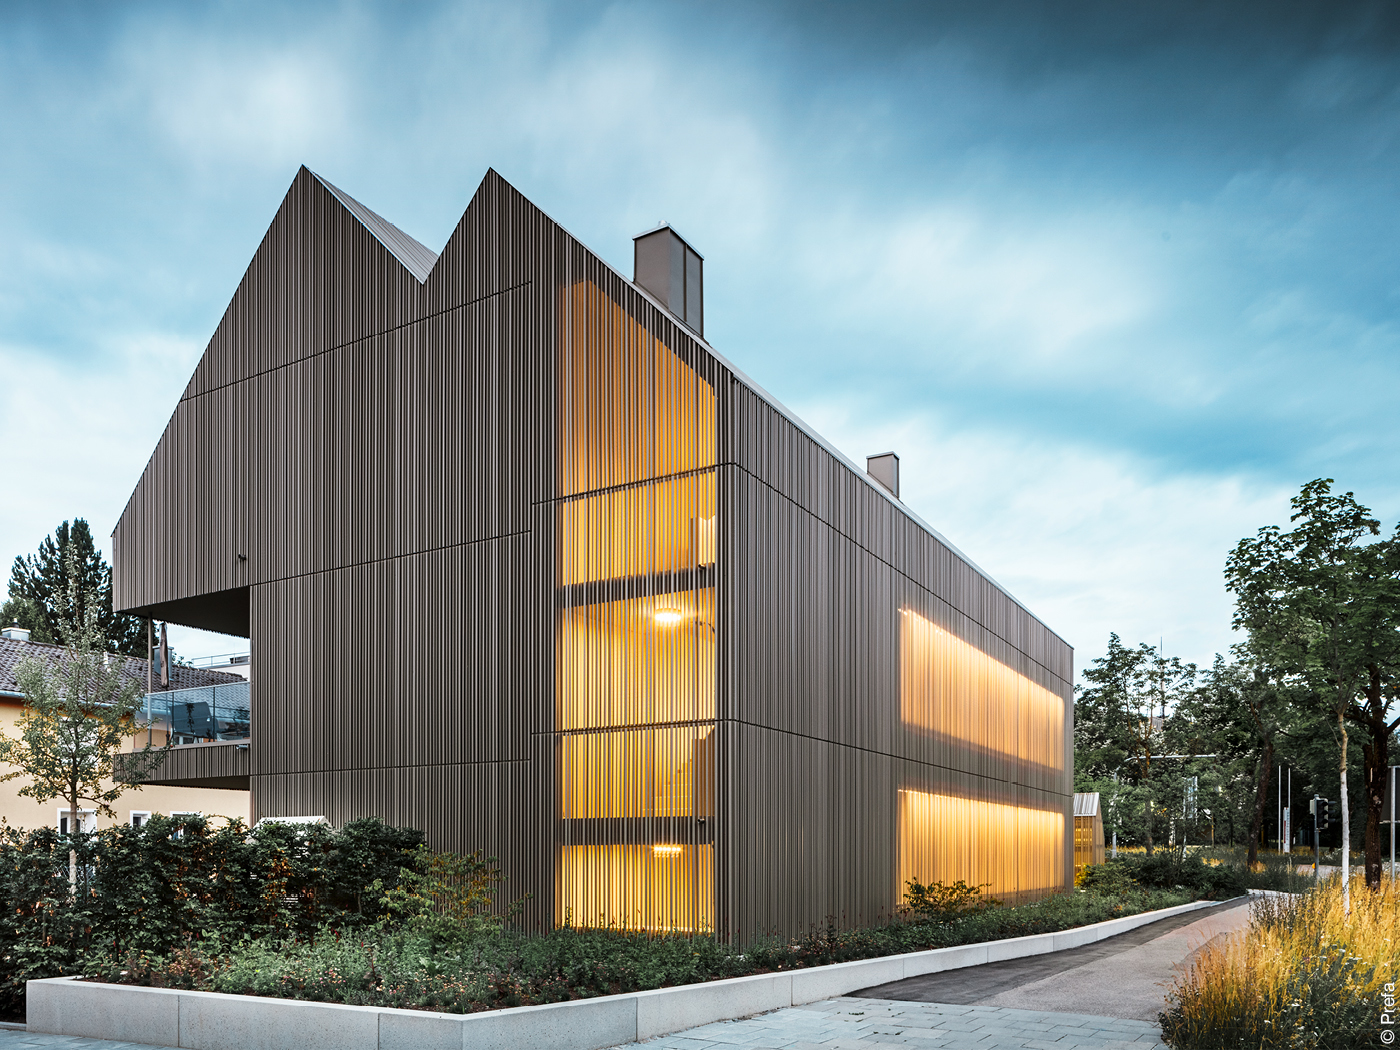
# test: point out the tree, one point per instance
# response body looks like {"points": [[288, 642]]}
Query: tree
{"points": [[1321, 604], [79, 710], [1118, 730], [42, 600]]}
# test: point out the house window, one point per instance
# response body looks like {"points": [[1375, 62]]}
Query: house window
{"points": [[139, 817], [87, 820], [178, 814]]}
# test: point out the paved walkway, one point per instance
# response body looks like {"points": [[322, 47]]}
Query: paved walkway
{"points": [[1127, 976], [873, 1024]]}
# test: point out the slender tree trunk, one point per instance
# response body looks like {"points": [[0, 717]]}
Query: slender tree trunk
{"points": [[1346, 821], [72, 852], [1261, 796], [1377, 776], [1376, 773]]}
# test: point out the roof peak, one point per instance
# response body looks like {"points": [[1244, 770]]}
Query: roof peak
{"points": [[417, 258]]}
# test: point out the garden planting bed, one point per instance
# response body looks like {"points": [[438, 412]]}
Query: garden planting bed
{"points": [[214, 1021]]}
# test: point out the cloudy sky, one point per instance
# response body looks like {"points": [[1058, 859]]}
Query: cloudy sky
{"points": [[1114, 282]]}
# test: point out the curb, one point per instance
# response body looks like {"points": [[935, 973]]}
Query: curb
{"points": [[215, 1021]]}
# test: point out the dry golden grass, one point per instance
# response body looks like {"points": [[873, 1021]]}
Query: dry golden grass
{"points": [[1302, 975]]}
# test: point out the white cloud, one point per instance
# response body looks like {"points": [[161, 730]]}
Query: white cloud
{"points": [[253, 106]]}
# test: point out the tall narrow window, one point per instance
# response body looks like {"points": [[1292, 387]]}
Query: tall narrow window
{"points": [[635, 650]]}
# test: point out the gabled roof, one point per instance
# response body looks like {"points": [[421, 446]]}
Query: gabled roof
{"points": [[416, 257], [13, 653]]}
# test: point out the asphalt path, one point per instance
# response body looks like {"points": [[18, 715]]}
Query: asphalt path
{"points": [[1127, 976]]}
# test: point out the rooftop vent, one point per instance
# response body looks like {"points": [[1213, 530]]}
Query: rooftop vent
{"points": [[15, 633], [884, 468], [674, 272]]}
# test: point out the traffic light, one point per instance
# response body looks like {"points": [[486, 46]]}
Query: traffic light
{"points": [[1319, 808]]}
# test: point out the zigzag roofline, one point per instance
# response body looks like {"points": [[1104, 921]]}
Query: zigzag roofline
{"points": [[417, 258]]}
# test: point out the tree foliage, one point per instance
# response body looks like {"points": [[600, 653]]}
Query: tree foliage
{"points": [[1321, 603], [149, 890], [66, 581], [79, 711]]}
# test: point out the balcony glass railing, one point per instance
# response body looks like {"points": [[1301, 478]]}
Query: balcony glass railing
{"points": [[193, 716]]}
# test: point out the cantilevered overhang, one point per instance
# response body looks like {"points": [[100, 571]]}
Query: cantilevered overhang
{"points": [[215, 765]]}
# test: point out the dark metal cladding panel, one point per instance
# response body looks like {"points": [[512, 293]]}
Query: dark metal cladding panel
{"points": [[320, 279], [829, 584], [495, 807], [200, 765]]}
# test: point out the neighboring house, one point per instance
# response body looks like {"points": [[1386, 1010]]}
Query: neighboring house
{"points": [[527, 564], [138, 803]]}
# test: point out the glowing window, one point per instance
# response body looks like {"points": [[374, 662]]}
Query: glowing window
{"points": [[641, 530], [1018, 850], [637, 773], [637, 661], [660, 887], [952, 689], [630, 407]]}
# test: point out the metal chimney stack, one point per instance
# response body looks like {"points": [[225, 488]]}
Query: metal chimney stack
{"points": [[672, 271], [884, 468]]}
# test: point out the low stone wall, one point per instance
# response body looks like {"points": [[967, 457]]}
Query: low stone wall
{"points": [[211, 1021]]}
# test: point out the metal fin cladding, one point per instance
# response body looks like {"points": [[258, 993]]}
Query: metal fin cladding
{"points": [[527, 566]]}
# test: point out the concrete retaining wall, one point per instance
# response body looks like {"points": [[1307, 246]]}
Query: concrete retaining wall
{"points": [[210, 1021]]}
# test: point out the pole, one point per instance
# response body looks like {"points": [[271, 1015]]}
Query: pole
{"points": [[150, 681], [1317, 877], [1392, 824], [1280, 808]]}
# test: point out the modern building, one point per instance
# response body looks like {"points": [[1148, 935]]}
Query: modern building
{"points": [[1088, 830], [527, 564], [186, 709]]}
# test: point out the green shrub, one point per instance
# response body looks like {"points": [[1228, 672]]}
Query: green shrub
{"points": [[150, 889], [940, 902], [414, 968], [1167, 869]]}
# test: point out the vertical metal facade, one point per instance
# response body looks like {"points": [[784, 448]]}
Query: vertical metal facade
{"points": [[525, 564]]}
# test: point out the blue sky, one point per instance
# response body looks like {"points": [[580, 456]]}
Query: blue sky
{"points": [[1113, 282]]}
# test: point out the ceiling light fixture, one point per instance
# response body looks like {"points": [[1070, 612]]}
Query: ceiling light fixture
{"points": [[669, 617]]}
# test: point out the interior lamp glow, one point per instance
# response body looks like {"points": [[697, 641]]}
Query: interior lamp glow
{"points": [[667, 851], [668, 617]]}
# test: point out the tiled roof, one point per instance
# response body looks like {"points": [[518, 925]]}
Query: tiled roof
{"points": [[13, 652]]}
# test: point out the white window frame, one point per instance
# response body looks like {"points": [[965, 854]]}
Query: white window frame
{"points": [[175, 814], [87, 820], [144, 814]]}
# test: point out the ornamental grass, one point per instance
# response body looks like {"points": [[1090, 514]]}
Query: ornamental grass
{"points": [[1303, 975]]}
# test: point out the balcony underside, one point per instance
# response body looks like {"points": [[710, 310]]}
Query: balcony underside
{"points": [[215, 765]]}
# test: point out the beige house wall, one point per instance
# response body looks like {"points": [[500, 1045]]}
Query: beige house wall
{"points": [[23, 812]]}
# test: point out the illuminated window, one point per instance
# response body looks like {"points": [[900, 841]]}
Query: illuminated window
{"points": [[641, 530], [1018, 850], [637, 773], [662, 886], [635, 662], [951, 689], [624, 663], [630, 408]]}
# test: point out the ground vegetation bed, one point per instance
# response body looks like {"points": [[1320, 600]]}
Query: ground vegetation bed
{"points": [[1304, 975], [429, 936]]}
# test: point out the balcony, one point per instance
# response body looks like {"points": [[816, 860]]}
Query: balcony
{"points": [[207, 714]]}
